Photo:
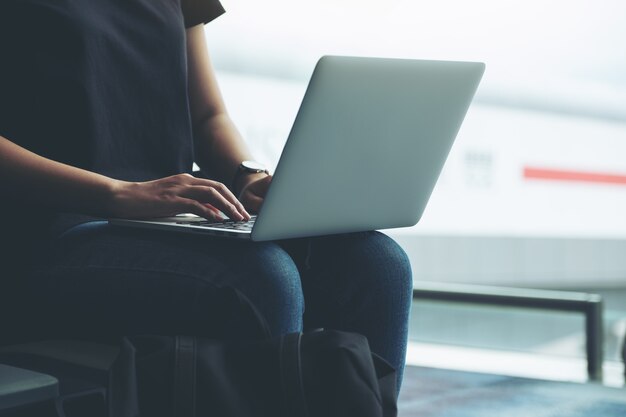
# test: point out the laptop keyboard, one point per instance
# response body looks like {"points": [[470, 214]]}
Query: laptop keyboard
{"points": [[226, 224]]}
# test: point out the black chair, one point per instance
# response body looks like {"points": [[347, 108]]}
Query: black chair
{"points": [[624, 357], [47, 378]]}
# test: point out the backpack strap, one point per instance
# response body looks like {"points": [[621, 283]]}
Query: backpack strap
{"points": [[291, 375], [185, 377]]}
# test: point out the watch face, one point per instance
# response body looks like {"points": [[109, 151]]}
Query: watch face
{"points": [[253, 166]]}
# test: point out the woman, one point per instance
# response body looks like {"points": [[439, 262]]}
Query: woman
{"points": [[104, 107]]}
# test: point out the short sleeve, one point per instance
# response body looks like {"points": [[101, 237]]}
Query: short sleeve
{"points": [[200, 11]]}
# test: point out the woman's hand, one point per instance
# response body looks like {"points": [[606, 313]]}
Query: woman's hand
{"points": [[182, 193], [253, 192]]}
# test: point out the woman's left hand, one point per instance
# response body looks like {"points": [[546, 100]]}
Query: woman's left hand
{"points": [[253, 192]]}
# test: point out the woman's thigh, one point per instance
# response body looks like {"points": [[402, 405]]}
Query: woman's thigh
{"points": [[126, 281]]}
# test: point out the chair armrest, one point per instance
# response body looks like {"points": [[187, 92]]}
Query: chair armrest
{"points": [[20, 387]]}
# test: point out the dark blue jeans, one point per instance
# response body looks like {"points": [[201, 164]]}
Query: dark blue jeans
{"points": [[151, 281]]}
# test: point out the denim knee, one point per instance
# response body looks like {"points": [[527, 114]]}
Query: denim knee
{"points": [[395, 263], [379, 267], [272, 282], [385, 275]]}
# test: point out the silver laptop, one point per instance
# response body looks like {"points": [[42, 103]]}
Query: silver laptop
{"points": [[364, 153]]}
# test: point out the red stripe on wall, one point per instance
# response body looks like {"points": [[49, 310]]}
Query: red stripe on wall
{"points": [[535, 173]]}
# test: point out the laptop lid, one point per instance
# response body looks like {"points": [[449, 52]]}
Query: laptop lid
{"points": [[367, 146]]}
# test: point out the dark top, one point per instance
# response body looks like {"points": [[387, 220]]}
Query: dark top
{"points": [[97, 84]]}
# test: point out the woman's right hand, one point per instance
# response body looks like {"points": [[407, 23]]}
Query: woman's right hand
{"points": [[182, 193]]}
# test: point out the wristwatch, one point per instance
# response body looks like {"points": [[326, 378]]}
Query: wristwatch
{"points": [[251, 167], [248, 167]]}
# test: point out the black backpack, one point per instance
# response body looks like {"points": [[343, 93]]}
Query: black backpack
{"points": [[321, 373]]}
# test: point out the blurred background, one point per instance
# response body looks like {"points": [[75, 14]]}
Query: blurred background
{"points": [[534, 191]]}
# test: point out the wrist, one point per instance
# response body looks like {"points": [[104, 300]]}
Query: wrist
{"points": [[116, 192], [244, 179], [247, 173]]}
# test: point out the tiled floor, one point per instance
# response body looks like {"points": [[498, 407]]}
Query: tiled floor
{"points": [[498, 362]]}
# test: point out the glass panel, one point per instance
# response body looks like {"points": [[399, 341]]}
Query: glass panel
{"points": [[517, 329]]}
